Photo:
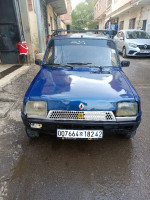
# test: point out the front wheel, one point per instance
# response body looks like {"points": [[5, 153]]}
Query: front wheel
{"points": [[32, 134], [129, 134], [124, 54]]}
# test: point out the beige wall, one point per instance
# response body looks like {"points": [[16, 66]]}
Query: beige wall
{"points": [[140, 14], [146, 16], [102, 24], [63, 25], [34, 31], [50, 15], [99, 8]]}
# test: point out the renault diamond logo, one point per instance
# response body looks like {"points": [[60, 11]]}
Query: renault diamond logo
{"points": [[145, 46], [81, 106]]}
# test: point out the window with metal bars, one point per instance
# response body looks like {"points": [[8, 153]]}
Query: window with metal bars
{"points": [[132, 23]]}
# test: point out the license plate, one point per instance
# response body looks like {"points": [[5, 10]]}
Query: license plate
{"points": [[79, 134], [145, 51]]}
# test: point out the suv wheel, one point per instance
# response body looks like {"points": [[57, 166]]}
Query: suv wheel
{"points": [[129, 134], [32, 134], [124, 55]]}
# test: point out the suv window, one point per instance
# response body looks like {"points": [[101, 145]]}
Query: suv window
{"points": [[137, 35], [49, 56], [122, 35], [119, 34], [98, 52]]}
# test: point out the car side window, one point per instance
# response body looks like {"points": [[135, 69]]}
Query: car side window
{"points": [[49, 55], [113, 57], [122, 35], [119, 34]]}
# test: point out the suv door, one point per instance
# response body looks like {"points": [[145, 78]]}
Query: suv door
{"points": [[117, 40], [121, 43]]}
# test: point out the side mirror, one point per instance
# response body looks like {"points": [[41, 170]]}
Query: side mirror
{"points": [[121, 38], [38, 62], [125, 63]]}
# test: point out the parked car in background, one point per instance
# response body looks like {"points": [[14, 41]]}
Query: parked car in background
{"points": [[81, 91], [133, 43]]}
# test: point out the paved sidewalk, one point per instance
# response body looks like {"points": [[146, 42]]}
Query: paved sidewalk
{"points": [[11, 126], [10, 76], [4, 67]]}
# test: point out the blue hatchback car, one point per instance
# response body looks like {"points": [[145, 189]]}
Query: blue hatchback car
{"points": [[81, 91]]}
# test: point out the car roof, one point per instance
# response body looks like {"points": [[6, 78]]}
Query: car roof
{"points": [[81, 35]]}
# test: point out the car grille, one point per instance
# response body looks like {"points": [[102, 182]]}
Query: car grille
{"points": [[142, 54], [81, 115], [143, 47]]}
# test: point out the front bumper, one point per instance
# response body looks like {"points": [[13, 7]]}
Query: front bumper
{"points": [[137, 52], [50, 126]]}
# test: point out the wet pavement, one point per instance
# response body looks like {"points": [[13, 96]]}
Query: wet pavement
{"points": [[50, 169]]}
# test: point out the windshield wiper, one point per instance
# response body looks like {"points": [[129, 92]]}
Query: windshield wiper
{"points": [[80, 63], [108, 66], [88, 64], [60, 65]]}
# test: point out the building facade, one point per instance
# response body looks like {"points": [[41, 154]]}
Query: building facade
{"points": [[123, 14], [27, 20], [66, 18], [100, 13]]}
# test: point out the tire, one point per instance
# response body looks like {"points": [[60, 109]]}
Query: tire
{"points": [[32, 134], [124, 54], [129, 134]]}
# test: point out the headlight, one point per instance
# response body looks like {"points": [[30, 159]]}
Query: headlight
{"points": [[132, 45], [125, 109], [36, 108]]}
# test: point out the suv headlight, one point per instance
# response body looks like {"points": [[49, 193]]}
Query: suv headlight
{"points": [[132, 45], [127, 109], [36, 108]]}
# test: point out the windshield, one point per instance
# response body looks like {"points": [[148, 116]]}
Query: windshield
{"points": [[97, 52], [137, 35]]}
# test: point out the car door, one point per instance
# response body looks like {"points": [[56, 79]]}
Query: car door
{"points": [[121, 42]]}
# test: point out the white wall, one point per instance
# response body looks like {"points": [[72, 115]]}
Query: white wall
{"points": [[140, 14], [116, 4], [146, 16]]}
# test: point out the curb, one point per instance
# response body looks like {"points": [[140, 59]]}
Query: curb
{"points": [[8, 78]]}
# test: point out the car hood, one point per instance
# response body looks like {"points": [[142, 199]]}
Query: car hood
{"points": [[139, 41], [65, 88]]}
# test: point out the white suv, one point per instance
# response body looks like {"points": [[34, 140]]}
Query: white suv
{"points": [[133, 43]]}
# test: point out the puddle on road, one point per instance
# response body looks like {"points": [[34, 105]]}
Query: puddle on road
{"points": [[20, 169], [48, 165]]}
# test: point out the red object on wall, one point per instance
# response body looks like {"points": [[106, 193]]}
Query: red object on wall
{"points": [[23, 49]]}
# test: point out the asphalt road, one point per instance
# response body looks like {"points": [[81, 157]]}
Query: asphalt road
{"points": [[50, 169]]}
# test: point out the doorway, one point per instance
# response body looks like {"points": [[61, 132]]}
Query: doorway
{"points": [[9, 33]]}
